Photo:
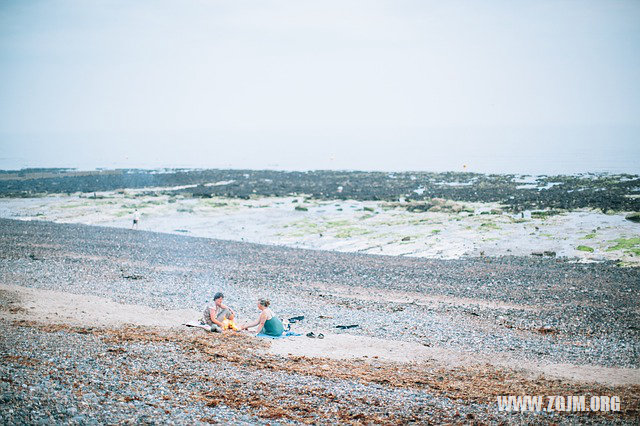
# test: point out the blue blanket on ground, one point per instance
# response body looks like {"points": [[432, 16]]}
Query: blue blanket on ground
{"points": [[282, 336]]}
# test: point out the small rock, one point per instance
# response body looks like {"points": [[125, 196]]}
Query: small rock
{"points": [[633, 217]]}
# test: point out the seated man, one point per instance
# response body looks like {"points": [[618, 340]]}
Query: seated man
{"points": [[214, 315]]}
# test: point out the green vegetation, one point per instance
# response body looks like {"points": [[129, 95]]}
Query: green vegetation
{"points": [[624, 243], [336, 223], [368, 209], [589, 237], [351, 231], [151, 203], [75, 205], [435, 231], [215, 204], [585, 248], [301, 208], [544, 214], [628, 245], [489, 225]]}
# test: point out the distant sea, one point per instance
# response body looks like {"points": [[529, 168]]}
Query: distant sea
{"points": [[514, 151]]}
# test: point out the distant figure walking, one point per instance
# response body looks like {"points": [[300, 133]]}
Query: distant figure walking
{"points": [[136, 219], [267, 322]]}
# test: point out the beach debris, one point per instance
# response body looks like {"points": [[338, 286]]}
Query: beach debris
{"points": [[345, 327], [325, 317], [132, 277], [311, 335], [537, 253], [406, 239], [293, 320], [547, 329]]}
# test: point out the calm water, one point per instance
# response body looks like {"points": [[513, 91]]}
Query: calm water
{"points": [[523, 150]]}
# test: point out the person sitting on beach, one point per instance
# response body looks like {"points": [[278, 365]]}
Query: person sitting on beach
{"points": [[267, 322], [214, 315]]}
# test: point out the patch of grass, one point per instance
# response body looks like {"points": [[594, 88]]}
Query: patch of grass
{"points": [[436, 231], [351, 232], [589, 237], [337, 223], [368, 209], [301, 208], [366, 216], [215, 204], [152, 203], [630, 246], [585, 248], [625, 244], [489, 225]]}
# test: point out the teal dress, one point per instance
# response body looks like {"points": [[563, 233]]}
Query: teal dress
{"points": [[273, 327]]}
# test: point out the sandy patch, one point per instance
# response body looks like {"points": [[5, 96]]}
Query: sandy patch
{"points": [[53, 307], [23, 303], [335, 346]]}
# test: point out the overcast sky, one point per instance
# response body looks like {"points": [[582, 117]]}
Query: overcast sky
{"points": [[497, 85]]}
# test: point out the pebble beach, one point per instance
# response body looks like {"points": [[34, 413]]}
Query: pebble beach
{"points": [[483, 326], [431, 308]]}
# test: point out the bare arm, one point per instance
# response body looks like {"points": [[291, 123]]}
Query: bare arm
{"points": [[263, 319], [212, 315], [227, 307], [259, 322]]}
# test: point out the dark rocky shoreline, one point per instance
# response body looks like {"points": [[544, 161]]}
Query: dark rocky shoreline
{"points": [[566, 192]]}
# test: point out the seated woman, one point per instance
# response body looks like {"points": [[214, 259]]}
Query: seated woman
{"points": [[267, 323]]}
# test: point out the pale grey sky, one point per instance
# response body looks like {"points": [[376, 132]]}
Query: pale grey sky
{"points": [[428, 85]]}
